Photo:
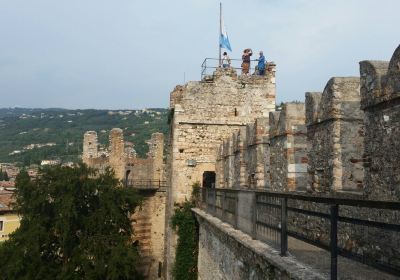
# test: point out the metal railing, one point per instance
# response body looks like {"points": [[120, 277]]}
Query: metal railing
{"points": [[210, 64], [145, 184], [364, 231]]}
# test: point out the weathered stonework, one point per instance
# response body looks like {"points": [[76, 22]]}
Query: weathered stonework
{"points": [[90, 145], [121, 157], [343, 143], [204, 113], [149, 219], [380, 100], [335, 137], [226, 253], [242, 159], [288, 148]]}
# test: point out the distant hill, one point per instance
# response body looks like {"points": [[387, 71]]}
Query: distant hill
{"points": [[31, 135]]}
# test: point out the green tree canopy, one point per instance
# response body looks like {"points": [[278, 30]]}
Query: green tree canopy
{"points": [[75, 225]]}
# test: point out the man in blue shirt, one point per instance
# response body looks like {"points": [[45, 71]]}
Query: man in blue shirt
{"points": [[261, 64]]}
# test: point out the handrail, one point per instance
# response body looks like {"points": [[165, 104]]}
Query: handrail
{"points": [[270, 211], [215, 65], [145, 184]]}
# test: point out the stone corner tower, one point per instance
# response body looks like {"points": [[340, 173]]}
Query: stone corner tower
{"points": [[203, 114]]}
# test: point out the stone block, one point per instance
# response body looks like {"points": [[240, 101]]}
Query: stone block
{"points": [[335, 136], [312, 104], [371, 74], [341, 99]]}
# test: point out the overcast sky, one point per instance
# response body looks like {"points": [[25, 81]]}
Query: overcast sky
{"points": [[127, 54]]}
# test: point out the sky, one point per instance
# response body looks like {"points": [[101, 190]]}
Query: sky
{"points": [[128, 54]]}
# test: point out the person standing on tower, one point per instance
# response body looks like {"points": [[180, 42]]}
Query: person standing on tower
{"points": [[246, 61], [226, 61], [261, 64]]}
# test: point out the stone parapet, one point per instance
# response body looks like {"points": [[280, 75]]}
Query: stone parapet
{"points": [[335, 133], [380, 92], [243, 158], [341, 99], [288, 148], [228, 253], [371, 75], [312, 103], [380, 80]]}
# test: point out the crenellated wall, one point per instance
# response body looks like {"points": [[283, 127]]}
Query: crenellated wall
{"points": [[342, 142], [335, 134], [380, 100], [243, 157], [288, 148]]}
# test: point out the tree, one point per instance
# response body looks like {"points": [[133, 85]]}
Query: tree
{"points": [[75, 225]]}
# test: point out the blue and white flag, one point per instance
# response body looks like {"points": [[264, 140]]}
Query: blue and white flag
{"points": [[223, 38]]}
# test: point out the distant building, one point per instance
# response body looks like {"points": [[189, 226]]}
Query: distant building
{"points": [[50, 162], [9, 219]]}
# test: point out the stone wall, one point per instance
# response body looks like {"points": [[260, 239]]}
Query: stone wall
{"points": [[256, 157], [243, 158], [149, 219], [226, 253], [380, 100], [121, 157], [204, 113], [149, 222], [335, 140], [288, 148]]}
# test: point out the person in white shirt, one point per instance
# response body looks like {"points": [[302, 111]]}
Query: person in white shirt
{"points": [[226, 61]]}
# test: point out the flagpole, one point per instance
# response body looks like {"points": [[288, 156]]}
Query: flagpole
{"points": [[220, 32]]}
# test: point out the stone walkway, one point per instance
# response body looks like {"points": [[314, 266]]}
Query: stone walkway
{"points": [[320, 259]]}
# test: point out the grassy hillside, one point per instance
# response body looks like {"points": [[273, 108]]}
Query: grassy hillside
{"points": [[59, 132]]}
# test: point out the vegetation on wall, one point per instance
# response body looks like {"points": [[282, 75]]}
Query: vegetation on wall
{"points": [[75, 225], [185, 224]]}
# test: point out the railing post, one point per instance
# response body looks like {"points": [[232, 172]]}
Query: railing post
{"points": [[207, 200], [284, 237], [223, 201], [254, 216], [333, 239], [215, 202], [236, 209]]}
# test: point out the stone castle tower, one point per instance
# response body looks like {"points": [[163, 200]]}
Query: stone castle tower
{"points": [[90, 145], [147, 176], [204, 113], [117, 152]]}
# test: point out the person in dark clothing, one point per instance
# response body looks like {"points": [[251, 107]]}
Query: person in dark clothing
{"points": [[246, 61]]}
